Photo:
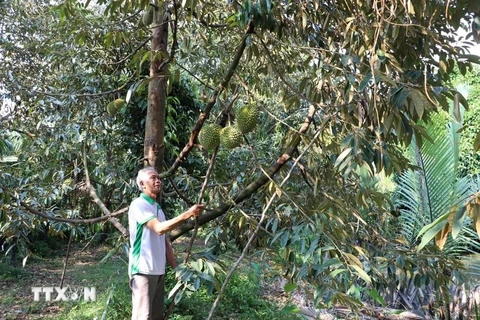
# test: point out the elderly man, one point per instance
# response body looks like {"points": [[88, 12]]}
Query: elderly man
{"points": [[150, 249]]}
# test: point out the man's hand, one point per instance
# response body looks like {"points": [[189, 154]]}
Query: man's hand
{"points": [[196, 210]]}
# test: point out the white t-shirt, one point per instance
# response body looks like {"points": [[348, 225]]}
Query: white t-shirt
{"points": [[147, 249]]}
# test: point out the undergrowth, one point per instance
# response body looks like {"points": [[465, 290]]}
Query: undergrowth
{"points": [[242, 299]]}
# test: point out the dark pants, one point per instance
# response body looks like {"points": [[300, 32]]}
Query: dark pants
{"points": [[148, 293]]}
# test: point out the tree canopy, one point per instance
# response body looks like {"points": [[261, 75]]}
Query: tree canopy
{"points": [[343, 87]]}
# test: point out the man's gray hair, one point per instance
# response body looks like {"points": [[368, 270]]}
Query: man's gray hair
{"points": [[143, 175]]}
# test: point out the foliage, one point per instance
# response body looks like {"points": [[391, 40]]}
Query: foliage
{"points": [[434, 200], [243, 299], [469, 159]]}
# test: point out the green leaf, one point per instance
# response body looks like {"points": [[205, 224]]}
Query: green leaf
{"points": [[336, 272], [476, 143], [373, 293], [423, 132], [366, 79], [342, 156], [362, 274], [418, 102], [381, 55], [458, 221], [442, 66], [290, 309], [430, 231], [398, 98], [289, 287]]}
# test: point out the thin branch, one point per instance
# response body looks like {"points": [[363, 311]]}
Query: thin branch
{"points": [[59, 219], [132, 53], [80, 95], [195, 229], [200, 197], [66, 259], [205, 23], [116, 223], [193, 75], [29, 134], [180, 194]]}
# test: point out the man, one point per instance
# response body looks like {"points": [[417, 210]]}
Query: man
{"points": [[150, 249]]}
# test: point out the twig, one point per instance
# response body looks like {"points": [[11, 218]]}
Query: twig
{"points": [[200, 197], [29, 134], [132, 53], [206, 85], [66, 259], [179, 193], [195, 229]]}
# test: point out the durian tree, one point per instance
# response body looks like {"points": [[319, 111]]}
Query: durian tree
{"points": [[339, 85]]}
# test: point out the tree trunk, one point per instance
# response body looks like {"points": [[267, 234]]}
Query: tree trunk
{"points": [[154, 148]]}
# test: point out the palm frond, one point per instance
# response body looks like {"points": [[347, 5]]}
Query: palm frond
{"points": [[438, 164], [432, 197]]}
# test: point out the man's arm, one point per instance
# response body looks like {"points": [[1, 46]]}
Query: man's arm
{"points": [[169, 225], [170, 254]]}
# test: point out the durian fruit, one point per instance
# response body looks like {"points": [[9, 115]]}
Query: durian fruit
{"points": [[111, 108], [209, 136], [147, 18], [119, 104], [230, 137], [246, 118], [115, 106]]}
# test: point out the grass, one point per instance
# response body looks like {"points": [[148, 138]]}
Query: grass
{"points": [[242, 300], [84, 270]]}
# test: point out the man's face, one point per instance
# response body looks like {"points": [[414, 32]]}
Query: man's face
{"points": [[153, 183]]}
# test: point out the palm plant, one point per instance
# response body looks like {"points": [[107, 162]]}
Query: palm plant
{"points": [[433, 200]]}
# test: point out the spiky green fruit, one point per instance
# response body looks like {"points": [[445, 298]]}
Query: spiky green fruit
{"points": [[111, 108], [230, 137], [209, 136], [147, 18], [246, 118], [119, 104], [115, 106]]}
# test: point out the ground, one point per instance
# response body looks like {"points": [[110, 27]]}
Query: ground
{"points": [[17, 281]]}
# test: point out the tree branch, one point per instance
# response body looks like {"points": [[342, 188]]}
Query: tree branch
{"points": [[116, 223], [132, 53], [179, 193], [59, 219], [29, 134]]}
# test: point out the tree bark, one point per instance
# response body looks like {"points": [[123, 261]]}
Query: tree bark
{"points": [[154, 149]]}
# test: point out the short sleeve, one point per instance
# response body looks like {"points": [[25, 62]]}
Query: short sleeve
{"points": [[141, 212]]}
